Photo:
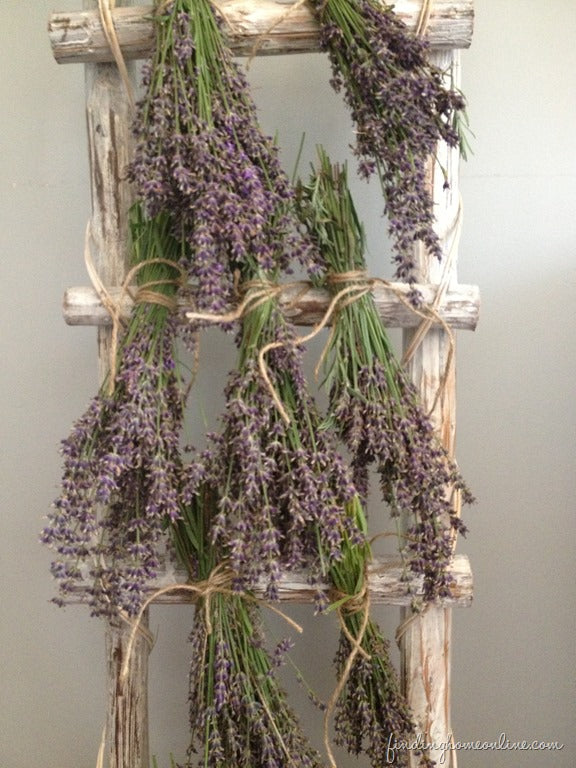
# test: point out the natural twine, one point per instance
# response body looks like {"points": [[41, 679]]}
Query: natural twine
{"points": [[106, 7], [262, 38], [358, 603], [430, 313], [424, 17], [257, 292]]}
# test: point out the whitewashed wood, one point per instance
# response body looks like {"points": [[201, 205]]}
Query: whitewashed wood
{"points": [[78, 36], [387, 582], [460, 308], [127, 723], [426, 642], [110, 147]]}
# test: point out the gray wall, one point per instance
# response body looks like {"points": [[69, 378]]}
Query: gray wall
{"points": [[514, 649]]}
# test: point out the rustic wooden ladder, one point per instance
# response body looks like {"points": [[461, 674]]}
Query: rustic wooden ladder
{"points": [[425, 641]]}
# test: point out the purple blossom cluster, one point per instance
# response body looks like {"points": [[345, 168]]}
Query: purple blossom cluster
{"points": [[121, 475], [239, 714], [202, 157], [282, 486], [371, 713], [401, 109], [383, 424]]}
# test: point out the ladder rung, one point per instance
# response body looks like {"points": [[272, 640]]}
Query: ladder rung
{"points": [[262, 24], [459, 309], [387, 582]]}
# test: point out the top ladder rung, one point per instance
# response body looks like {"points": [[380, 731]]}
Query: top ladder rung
{"points": [[262, 26]]}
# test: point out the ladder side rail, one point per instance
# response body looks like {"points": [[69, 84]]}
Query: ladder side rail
{"points": [[425, 639]]}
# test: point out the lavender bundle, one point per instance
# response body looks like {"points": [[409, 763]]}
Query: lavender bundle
{"points": [[282, 486], [373, 405], [121, 474], [401, 110], [239, 714], [202, 158], [371, 711]]}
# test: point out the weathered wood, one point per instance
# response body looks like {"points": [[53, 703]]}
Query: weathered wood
{"points": [[387, 582], [302, 305], [127, 724], [426, 638], [110, 147], [79, 37]]}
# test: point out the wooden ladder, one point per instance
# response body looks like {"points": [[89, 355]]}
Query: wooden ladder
{"points": [[425, 641]]}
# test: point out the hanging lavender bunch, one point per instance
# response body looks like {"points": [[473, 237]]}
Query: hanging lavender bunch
{"points": [[373, 405], [285, 501], [401, 109], [282, 486], [201, 157], [121, 472], [239, 714], [371, 711]]}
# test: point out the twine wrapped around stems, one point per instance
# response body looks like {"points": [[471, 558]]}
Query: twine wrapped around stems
{"points": [[357, 603], [218, 582]]}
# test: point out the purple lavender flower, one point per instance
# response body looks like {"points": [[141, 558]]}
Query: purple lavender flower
{"points": [[122, 466], [202, 157], [401, 109]]}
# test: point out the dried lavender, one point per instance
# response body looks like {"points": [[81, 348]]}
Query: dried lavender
{"points": [[201, 156], [401, 109], [373, 405], [239, 714], [121, 473], [371, 712], [282, 486]]}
